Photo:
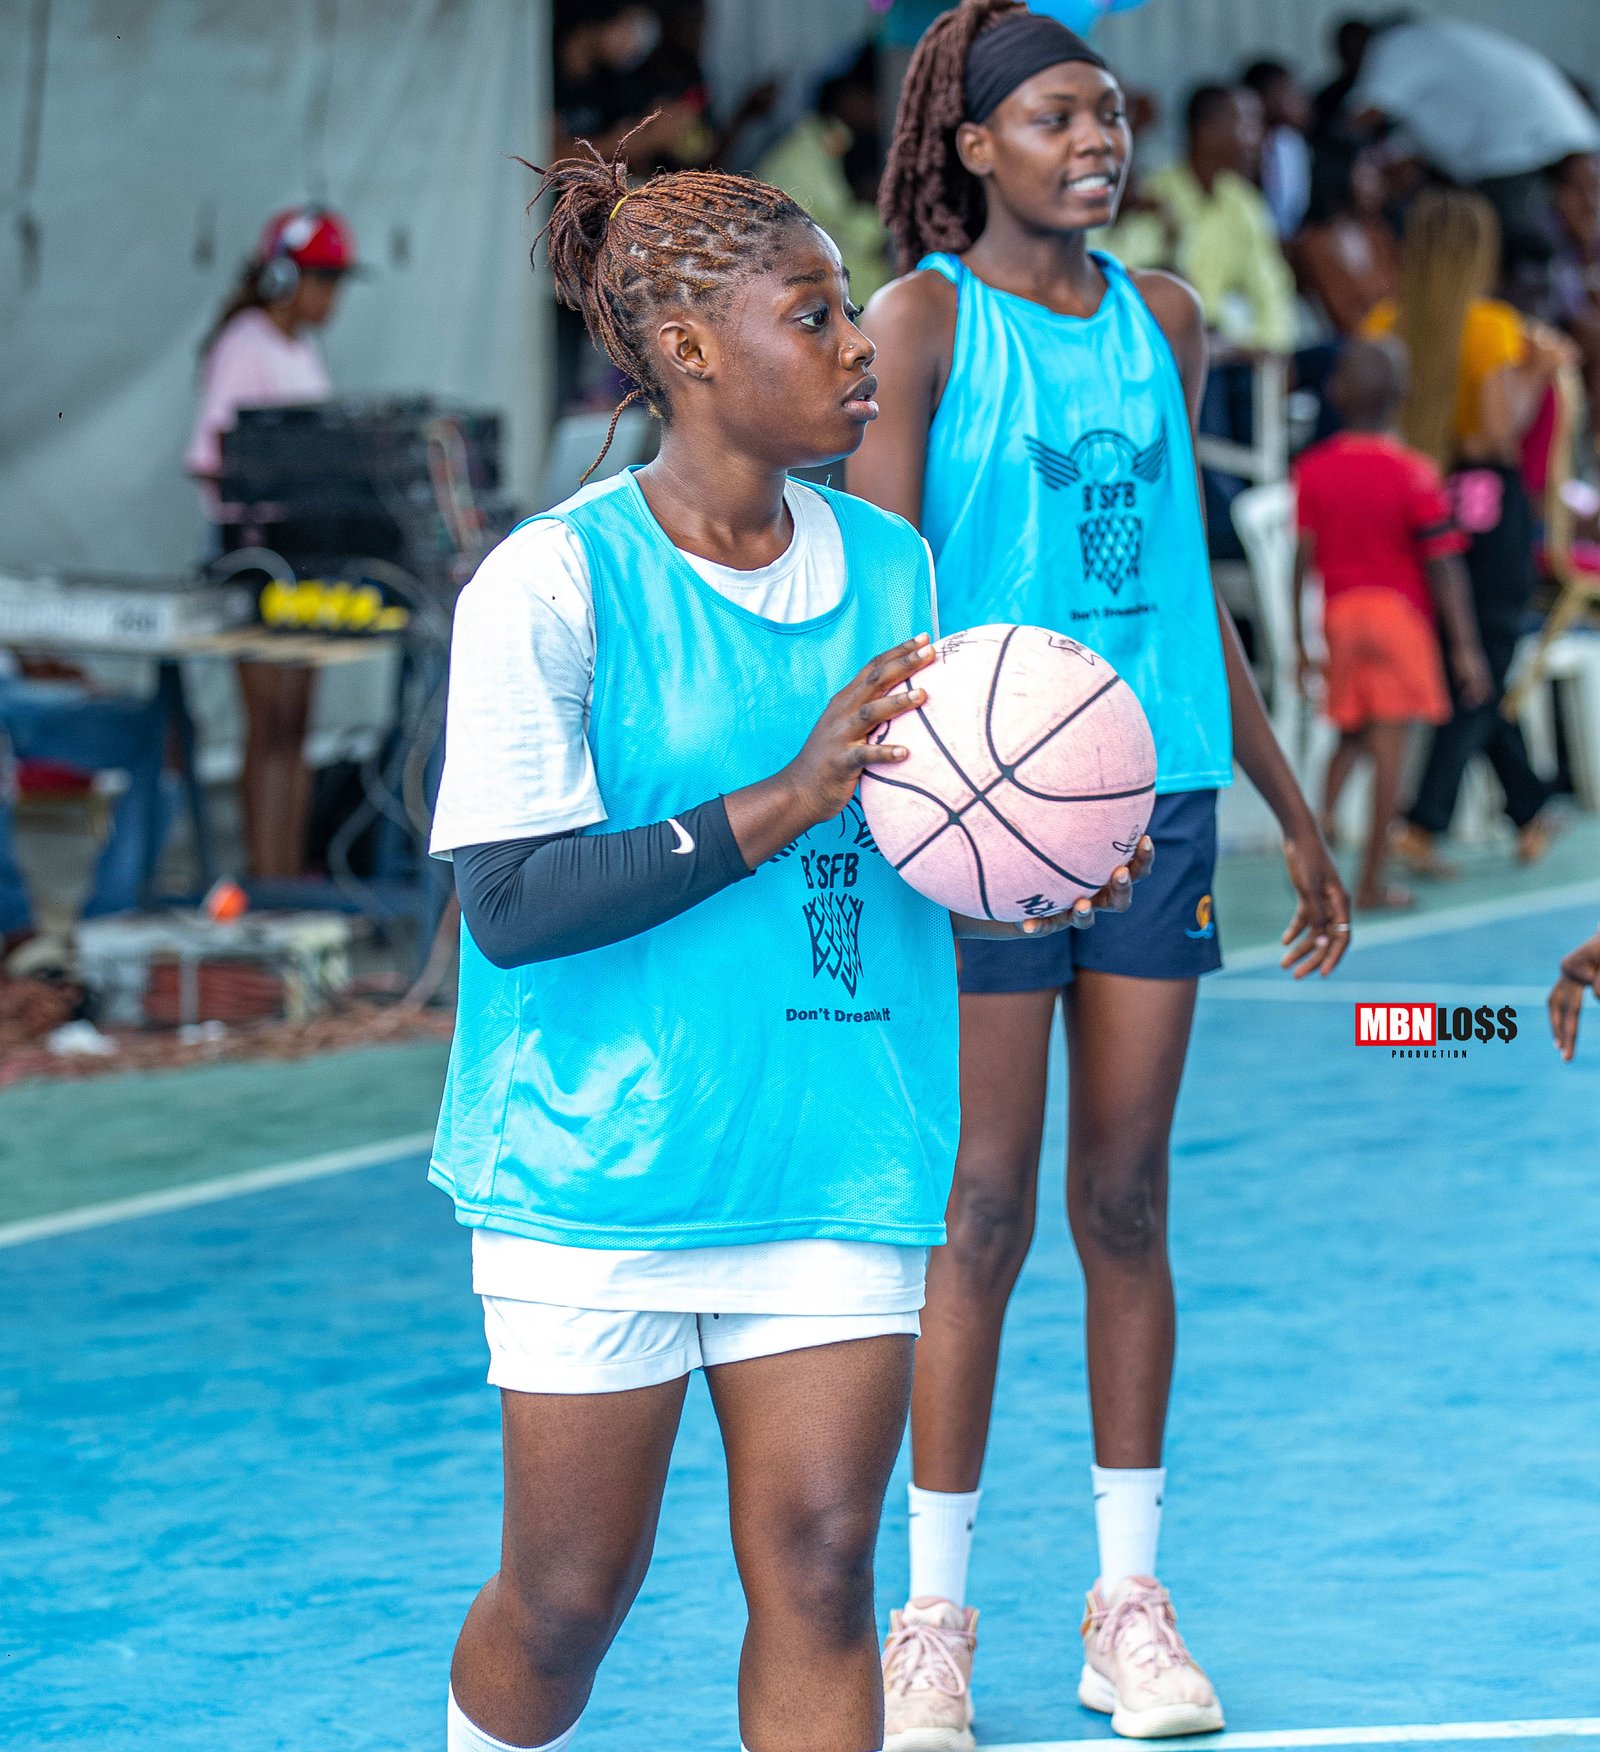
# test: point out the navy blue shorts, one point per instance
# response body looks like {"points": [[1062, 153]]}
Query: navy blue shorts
{"points": [[1170, 931]]}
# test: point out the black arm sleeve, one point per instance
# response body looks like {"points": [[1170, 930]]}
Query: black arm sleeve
{"points": [[537, 899]]}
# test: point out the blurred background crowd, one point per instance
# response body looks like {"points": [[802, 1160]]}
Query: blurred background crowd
{"points": [[1430, 174]]}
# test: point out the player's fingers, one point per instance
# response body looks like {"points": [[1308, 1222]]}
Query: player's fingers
{"points": [[872, 712], [1338, 928], [1082, 914], [1566, 999], [889, 668], [1144, 859], [1296, 926], [866, 754]]}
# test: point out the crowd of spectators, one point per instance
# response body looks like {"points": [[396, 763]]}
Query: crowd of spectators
{"points": [[1303, 219]]}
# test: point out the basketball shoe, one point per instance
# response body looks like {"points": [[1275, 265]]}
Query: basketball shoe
{"points": [[1136, 1668], [927, 1677]]}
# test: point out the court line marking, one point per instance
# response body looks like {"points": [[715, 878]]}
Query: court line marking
{"points": [[1576, 1727], [1416, 991], [213, 1191], [1429, 924]]}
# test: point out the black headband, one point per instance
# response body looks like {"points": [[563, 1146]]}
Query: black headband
{"points": [[1006, 54]]}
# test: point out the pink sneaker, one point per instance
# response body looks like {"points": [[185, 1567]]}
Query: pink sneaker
{"points": [[927, 1678], [1136, 1669]]}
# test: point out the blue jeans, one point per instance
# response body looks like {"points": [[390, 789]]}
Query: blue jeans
{"points": [[48, 720]]}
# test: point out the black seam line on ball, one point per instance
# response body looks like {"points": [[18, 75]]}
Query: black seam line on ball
{"points": [[952, 818]]}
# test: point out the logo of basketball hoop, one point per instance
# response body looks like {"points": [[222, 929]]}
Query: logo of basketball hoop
{"points": [[1109, 472]]}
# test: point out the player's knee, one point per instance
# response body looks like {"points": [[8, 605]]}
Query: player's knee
{"points": [[1121, 1214], [563, 1620], [990, 1232], [825, 1572]]}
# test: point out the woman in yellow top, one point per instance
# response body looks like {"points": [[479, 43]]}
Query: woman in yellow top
{"points": [[1479, 374]]}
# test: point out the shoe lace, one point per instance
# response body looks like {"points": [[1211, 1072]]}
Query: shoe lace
{"points": [[921, 1657], [1148, 1611]]}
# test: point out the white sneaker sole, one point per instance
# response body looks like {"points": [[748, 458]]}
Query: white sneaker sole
{"points": [[931, 1740], [1095, 1691]]}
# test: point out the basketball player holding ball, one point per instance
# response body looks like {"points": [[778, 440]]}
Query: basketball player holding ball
{"points": [[701, 1106], [1039, 408]]}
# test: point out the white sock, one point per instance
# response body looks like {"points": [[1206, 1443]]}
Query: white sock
{"points": [[1127, 1517], [941, 1542], [462, 1735]]}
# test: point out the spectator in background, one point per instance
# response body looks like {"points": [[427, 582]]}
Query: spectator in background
{"points": [[1349, 42], [602, 92], [1223, 241], [1575, 232], [1345, 257], [1375, 524], [813, 163], [1285, 155], [1209, 223], [1479, 375], [262, 352]]}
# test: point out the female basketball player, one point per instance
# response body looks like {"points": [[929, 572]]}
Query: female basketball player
{"points": [[1038, 423], [701, 1109]]}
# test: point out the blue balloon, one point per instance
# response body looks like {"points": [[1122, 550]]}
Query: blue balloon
{"points": [[1082, 15]]}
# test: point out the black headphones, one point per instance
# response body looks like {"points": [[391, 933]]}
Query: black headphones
{"points": [[278, 277]]}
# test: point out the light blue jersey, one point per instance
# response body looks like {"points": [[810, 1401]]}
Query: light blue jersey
{"points": [[777, 1063], [1060, 492]]}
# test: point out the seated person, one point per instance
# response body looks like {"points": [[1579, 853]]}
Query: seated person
{"points": [[813, 162], [47, 718], [1345, 257]]}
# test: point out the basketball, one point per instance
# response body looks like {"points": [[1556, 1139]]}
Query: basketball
{"points": [[1030, 777]]}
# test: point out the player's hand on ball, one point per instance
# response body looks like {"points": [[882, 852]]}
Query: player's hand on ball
{"points": [[1116, 896], [1580, 969], [825, 773]]}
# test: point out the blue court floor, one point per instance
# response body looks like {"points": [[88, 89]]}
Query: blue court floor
{"points": [[249, 1471]]}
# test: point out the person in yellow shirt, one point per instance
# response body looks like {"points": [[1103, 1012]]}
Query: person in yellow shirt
{"points": [[1480, 372], [1213, 226]]}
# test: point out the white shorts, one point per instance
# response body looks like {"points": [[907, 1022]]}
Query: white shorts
{"points": [[537, 1347]]}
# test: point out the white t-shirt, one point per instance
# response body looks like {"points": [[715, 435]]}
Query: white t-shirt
{"points": [[518, 764]]}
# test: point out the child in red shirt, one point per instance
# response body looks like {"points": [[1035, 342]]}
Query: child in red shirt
{"points": [[1376, 525]]}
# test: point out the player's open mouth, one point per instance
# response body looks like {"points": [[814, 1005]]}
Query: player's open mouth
{"points": [[861, 403], [1099, 182]]}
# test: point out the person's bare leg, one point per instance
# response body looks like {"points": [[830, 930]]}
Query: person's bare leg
{"points": [[811, 1438], [1386, 743], [276, 783], [1126, 1041], [1340, 766], [583, 1480], [1005, 1049]]}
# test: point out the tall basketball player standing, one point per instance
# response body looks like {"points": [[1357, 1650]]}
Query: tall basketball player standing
{"points": [[701, 1106], [1039, 406]]}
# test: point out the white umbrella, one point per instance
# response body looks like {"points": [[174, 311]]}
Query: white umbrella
{"points": [[1477, 102]]}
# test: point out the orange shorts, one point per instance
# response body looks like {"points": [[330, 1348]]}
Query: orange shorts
{"points": [[1384, 664]]}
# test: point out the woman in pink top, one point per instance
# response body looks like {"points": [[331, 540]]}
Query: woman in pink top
{"points": [[260, 354]]}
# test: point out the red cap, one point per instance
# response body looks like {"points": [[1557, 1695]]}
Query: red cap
{"points": [[312, 238]]}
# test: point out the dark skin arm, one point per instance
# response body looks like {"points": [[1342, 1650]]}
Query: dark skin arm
{"points": [[1452, 597], [1304, 558], [1319, 932], [1579, 971]]}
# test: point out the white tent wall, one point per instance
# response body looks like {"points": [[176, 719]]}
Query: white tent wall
{"points": [[161, 135]]}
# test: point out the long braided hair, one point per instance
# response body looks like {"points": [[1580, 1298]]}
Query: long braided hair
{"points": [[927, 199], [1450, 258], [620, 255]]}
